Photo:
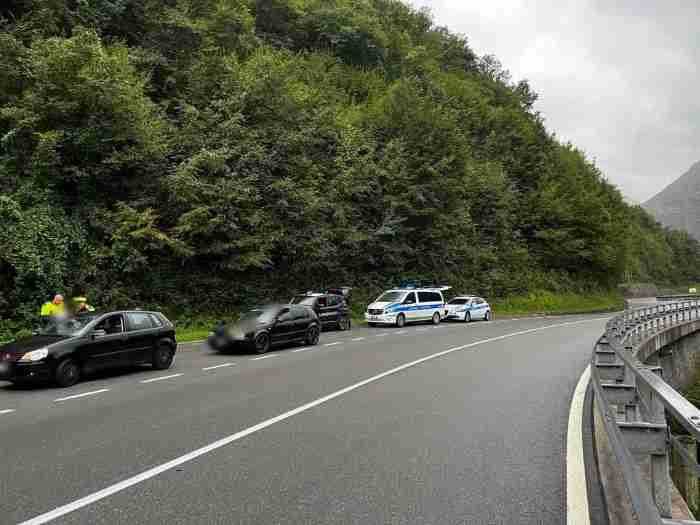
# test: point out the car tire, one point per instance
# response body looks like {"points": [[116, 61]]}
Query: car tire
{"points": [[400, 320], [162, 357], [67, 373], [467, 317], [262, 343], [436, 318], [487, 317], [312, 335], [344, 324]]}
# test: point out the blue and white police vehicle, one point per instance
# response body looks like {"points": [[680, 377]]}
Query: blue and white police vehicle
{"points": [[467, 308], [407, 304]]}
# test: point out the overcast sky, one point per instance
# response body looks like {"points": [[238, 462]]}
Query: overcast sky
{"points": [[618, 78]]}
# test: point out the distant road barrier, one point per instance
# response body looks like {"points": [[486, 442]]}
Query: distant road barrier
{"points": [[633, 400]]}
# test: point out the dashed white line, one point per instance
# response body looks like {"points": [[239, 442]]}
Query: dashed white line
{"points": [[161, 378], [227, 440], [7, 411], [400, 332], [264, 357], [84, 394], [381, 335], [224, 365], [303, 349], [357, 339], [332, 344]]}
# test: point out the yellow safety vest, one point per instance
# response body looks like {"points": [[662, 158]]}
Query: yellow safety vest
{"points": [[50, 309]]}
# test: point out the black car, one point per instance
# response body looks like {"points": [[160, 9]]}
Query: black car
{"points": [[331, 306], [65, 349], [261, 328]]}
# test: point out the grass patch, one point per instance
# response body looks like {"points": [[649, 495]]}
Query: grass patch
{"points": [[558, 303], [185, 335]]}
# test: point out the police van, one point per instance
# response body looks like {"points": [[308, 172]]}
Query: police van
{"points": [[407, 304]]}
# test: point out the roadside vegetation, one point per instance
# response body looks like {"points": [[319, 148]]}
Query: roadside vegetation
{"points": [[200, 156]]}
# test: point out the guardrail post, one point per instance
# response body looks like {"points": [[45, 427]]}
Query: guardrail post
{"points": [[683, 476], [661, 484]]}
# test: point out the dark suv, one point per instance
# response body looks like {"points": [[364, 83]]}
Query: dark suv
{"points": [[331, 306], [65, 349]]}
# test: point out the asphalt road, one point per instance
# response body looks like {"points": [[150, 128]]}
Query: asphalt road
{"points": [[474, 436]]}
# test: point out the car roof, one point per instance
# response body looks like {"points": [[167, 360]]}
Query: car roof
{"points": [[415, 290]]}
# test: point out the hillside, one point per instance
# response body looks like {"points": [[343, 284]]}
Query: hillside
{"points": [[678, 205], [201, 155]]}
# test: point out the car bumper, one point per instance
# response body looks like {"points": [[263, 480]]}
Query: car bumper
{"points": [[13, 371], [381, 319], [220, 343]]}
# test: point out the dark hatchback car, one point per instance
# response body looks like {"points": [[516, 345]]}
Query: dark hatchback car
{"points": [[331, 306], [66, 349], [259, 329]]}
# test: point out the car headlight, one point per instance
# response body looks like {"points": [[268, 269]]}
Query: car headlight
{"points": [[34, 355]]}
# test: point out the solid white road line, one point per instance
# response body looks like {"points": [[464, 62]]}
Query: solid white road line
{"points": [[218, 366], [84, 394], [155, 471], [357, 339], [332, 344], [7, 411], [161, 378], [577, 512], [264, 357], [303, 349]]}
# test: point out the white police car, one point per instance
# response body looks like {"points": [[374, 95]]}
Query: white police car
{"points": [[468, 308], [406, 305]]}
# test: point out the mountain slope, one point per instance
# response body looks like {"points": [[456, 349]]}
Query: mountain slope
{"points": [[678, 205]]}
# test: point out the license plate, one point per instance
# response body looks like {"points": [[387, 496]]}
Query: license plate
{"points": [[375, 318]]}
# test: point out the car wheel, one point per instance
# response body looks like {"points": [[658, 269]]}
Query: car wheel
{"points": [[67, 373], [400, 320], [487, 317], [262, 343], [312, 335], [467, 317], [436, 318], [344, 324], [162, 357]]}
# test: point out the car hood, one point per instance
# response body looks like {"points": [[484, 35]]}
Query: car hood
{"points": [[27, 344], [381, 306], [240, 327]]}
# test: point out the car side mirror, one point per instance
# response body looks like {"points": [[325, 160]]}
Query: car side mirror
{"points": [[98, 333]]}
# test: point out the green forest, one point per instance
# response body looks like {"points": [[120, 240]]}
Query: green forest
{"points": [[198, 156]]}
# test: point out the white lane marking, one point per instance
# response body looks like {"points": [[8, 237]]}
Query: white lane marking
{"points": [[400, 332], [421, 329], [381, 335], [577, 512], [357, 339], [332, 344], [84, 394], [224, 365], [303, 349], [7, 411], [264, 357], [161, 378], [155, 471]]}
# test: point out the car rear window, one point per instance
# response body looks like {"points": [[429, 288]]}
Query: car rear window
{"points": [[139, 321]]}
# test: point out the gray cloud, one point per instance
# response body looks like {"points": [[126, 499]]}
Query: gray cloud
{"points": [[617, 79]]}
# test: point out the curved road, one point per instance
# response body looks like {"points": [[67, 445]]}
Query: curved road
{"points": [[455, 424]]}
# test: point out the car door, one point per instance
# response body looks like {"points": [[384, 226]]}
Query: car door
{"points": [[480, 308], [283, 327], [409, 306], [105, 346], [325, 310], [141, 337], [335, 304], [300, 321]]}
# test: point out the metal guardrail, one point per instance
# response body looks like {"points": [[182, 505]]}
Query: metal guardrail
{"points": [[633, 400]]}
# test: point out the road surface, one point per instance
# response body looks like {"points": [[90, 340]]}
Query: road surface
{"points": [[455, 424]]}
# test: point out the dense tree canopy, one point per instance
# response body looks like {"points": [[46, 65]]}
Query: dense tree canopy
{"points": [[204, 154]]}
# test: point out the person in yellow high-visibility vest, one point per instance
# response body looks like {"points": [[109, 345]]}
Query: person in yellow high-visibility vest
{"points": [[53, 308], [81, 305]]}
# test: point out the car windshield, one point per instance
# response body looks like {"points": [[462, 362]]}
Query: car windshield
{"points": [[308, 300], [390, 297], [261, 315], [459, 301], [66, 326]]}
